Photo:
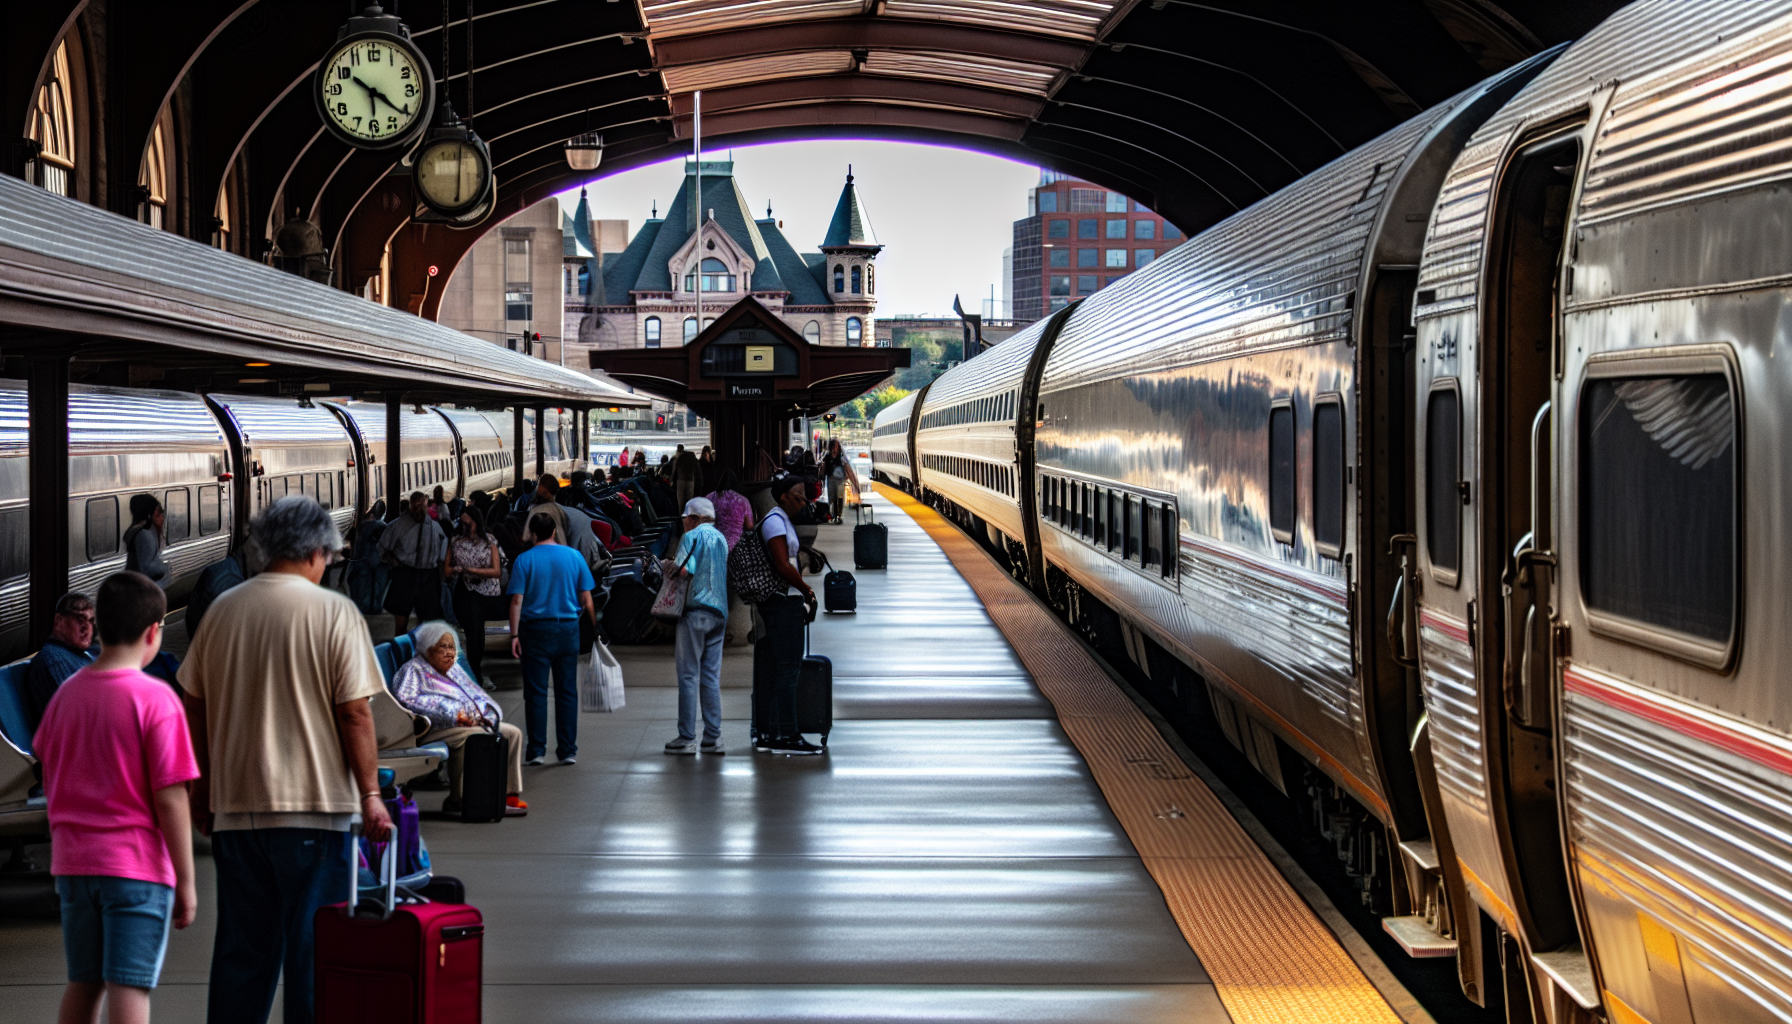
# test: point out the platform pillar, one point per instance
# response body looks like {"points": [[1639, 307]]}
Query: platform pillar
{"points": [[516, 483], [47, 407], [396, 499]]}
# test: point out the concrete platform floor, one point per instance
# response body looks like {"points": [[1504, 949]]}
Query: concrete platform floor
{"points": [[950, 859]]}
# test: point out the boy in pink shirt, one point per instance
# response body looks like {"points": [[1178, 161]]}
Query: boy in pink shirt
{"points": [[117, 759]]}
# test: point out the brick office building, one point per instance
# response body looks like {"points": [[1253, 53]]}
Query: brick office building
{"points": [[1077, 238]]}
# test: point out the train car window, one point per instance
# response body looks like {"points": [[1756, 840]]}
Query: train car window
{"points": [[1149, 535], [1172, 540], [211, 503], [15, 543], [1328, 477], [1100, 525], [1443, 471], [1281, 472], [1114, 531], [102, 527], [307, 484], [325, 488], [1658, 502], [1132, 528], [176, 515]]}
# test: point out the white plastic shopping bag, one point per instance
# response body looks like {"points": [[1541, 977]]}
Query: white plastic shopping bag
{"points": [[600, 680]]}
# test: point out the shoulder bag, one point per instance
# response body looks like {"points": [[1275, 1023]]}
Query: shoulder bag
{"points": [[750, 571], [669, 605]]}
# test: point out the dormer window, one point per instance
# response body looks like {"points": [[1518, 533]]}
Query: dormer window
{"points": [[839, 277], [716, 277]]}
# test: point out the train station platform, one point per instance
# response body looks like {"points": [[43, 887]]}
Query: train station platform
{"points": [[997, 834]]}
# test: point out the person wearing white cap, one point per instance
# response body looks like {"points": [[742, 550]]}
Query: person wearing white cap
{"points": [[702, 556]]}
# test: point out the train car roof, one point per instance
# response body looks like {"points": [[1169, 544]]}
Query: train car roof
{"points": [[281, 421], [101, 418], [899, 407], [472, 424], [71, 267], [370, 419], [993, 370]]}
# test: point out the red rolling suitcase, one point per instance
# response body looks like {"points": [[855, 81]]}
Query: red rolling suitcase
{"points": [[417, 962]]}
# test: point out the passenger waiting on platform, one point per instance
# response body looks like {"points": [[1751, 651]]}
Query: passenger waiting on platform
{"points": [[571, 527], [367, 577], [778, 657], [835, 469], [734, 513], [438, 508], [473, 567], [217, 578], [63, 654], [433, 685], [117, 759], [143, 540], [550, 587], [685, 472], [414, 546], [702, 556], [277, 694]]}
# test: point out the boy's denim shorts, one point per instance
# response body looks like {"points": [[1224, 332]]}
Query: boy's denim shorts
{"points": [[114, 929]]}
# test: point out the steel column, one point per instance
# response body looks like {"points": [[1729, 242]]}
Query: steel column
{"points": [[516, 484], [541, 448], [47, 405], [396, 499]]}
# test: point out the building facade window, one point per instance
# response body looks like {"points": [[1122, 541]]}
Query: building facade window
{"points": [[1048, 202], [52, 126], [716, 277], [812, 332], [1088, 200], [858, 281], [1088, 257], [1143, 229], [585, 281], [651, 331], [1116, 203], [1059, 302], [1171, 230], [690, 329], [855, 330], [1060, 257], [1140, 257], [1086, 283], [1116, 257], [839, 278], [1057, 229], [519, 291], [1116, 229], [1060, 284], [1089, 228]]}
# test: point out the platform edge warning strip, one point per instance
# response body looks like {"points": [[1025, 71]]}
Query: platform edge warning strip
{"points": [[1270, 958]]}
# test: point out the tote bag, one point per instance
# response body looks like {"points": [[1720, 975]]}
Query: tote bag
{"points": [[600, 680], [668, 606]]}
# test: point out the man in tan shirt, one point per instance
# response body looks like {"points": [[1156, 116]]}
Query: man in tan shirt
{"points": [[276, 684]]}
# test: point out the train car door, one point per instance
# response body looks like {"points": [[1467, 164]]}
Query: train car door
{"points": [[1485, 381]]}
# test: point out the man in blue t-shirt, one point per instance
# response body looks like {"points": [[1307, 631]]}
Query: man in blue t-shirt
{"points": [[549, 585], [703, 557]]}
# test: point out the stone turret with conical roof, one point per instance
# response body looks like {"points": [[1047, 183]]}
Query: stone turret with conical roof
{"points": [[850, 248]]}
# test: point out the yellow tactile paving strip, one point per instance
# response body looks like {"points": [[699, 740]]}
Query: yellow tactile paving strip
{"points": [[1270, 957]]}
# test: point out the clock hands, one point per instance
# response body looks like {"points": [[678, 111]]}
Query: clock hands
{"points": [[374, 94]]}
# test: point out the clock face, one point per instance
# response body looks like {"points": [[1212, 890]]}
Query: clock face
{"points": [[451, 174], [373, 90]]}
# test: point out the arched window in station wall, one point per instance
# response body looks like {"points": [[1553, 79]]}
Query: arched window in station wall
{"points": [[52, 127], [855, 330], [652, 331], [812, 332], [839, 278], [690, 329]]}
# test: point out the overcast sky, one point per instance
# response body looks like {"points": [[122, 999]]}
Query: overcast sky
{"points": [[943, 215]]}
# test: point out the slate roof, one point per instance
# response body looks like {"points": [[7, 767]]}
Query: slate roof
{"points": [[850, 228], [642, 267]]}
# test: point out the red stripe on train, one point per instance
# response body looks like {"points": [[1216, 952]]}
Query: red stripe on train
{"points": [[1449, 627], [1686, 721]]}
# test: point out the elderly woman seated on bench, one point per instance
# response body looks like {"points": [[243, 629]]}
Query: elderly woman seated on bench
{"points": [[433, 685]]}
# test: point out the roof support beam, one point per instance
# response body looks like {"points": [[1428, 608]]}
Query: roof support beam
{"points": [[870, 115], [861, 88], [869, 34]]}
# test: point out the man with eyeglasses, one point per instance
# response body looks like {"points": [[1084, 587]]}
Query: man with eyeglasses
{"points": [[63, 654]]}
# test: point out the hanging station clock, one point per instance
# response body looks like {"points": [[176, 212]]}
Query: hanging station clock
{"points": [[451, 172], [374, 89]]}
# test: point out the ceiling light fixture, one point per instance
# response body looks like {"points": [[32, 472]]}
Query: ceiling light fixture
{"points": [[585, 152]]}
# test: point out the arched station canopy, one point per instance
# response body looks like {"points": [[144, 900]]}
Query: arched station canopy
{"points": [[1196, 109]]}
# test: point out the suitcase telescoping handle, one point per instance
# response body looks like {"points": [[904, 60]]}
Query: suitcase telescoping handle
{"points": [[388, 872]]}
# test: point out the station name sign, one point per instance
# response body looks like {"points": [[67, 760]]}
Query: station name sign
{"points": [[749, 390]]}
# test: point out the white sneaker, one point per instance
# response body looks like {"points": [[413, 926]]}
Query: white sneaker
{"points": [[535, 762], [715, 747]]}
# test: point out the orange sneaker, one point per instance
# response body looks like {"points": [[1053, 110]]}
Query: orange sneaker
{"points": [[515, 807]]}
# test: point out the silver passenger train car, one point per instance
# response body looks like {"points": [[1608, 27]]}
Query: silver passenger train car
{"points": [[213, 462], [1447, 482]]}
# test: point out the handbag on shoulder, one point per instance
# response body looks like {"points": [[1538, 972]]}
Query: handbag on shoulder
{"points": [[750, 570], [668, 606]]}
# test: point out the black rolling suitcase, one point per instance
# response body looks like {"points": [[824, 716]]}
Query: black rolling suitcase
{"points": [[483, 764], [814, 697], [870, 544], [839, 591]]}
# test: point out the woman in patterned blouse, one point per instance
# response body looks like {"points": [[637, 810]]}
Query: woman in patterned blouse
{"points": [[433, 685]]}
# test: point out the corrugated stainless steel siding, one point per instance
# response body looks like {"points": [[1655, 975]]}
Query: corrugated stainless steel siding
{"points": [[475, 429], [36, 221], [1278, 275], [1720, 127], [113, 418], [997, 370], [1694, 835], [1454, 709], [281, 421], [1635, 42]]}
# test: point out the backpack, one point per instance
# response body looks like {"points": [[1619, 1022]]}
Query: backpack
{"points": [[750, 569]]}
